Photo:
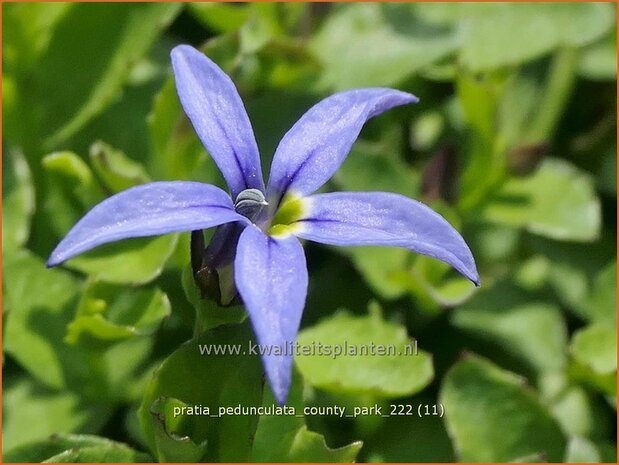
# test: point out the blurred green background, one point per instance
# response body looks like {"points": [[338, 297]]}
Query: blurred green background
{"points": [[514, 142]]}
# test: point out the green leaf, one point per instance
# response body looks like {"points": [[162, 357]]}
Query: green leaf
{"points": [[171, 445], [603, 300], [558, 201], [372, 167], [450, 292], [17, 200], [351, 45], [582, 450], [112, 453], [410, 438], [131, 261], [286, 438], [39, 303], [381, 268], [386, 362], [261, 27], [488, 30], [117, 171], [598, 61], [533, 331], [493, 244], [492, 417], [572, 269], [123, 125], [28, 30], [596, 347], [107, 314], [32, 413], [75, 448], [211, 381], [221, 17], [67, 108], [72, 189], [577, 409]]}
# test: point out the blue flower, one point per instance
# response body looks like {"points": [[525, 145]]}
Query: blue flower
{"points": [[263, 225]]}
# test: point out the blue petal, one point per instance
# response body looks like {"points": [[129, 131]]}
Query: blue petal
{"points": [[380, 218], [148, 210], [216, 111], [271, 277], [314, 148]]}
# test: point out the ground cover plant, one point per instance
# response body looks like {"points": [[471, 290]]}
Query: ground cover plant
{"points": [[115, 355]]}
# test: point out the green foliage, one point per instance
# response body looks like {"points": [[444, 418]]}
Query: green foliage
{"points": [[493, 417], [117, 171], [513, 142], [211, 381], [355, 37], [108, 314], [75, 448], [64, 103], [287, 438], [530, 330], [556, 201], [595, 347], [17, 200], [27, 404], [39, 307], [377, 371]]}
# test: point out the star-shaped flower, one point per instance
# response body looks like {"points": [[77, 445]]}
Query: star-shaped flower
{"points": [[263, 226]]}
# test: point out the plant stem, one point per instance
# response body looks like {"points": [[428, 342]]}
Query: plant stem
{"points": [[559, 86]]}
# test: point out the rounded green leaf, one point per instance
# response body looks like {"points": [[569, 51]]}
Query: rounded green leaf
{"points": [[488, 30], [385, 362], [596, 347], [171, 444], [558, 201], [372, 44], [107, 314], [492, 416]]}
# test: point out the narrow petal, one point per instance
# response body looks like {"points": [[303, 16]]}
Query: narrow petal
{"points": [[315, 147], [271, 277], [380, 218], [216, 111], [148, 210]]}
